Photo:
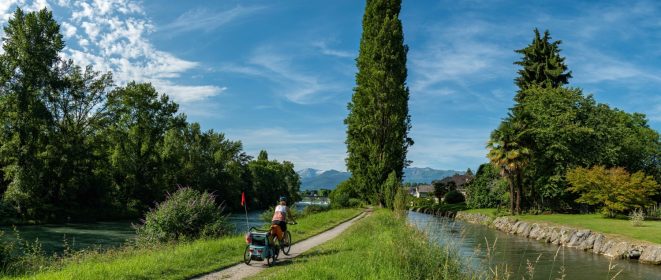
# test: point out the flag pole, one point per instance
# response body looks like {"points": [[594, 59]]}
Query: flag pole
{"points": [[243, 201]]}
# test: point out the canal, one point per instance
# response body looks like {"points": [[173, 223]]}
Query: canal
{"points": [[517, 255]]}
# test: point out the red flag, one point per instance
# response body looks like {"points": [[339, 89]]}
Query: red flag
{"points": [[243, 198]]}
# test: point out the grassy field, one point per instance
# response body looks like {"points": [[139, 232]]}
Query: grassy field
{"points": [[79, 236], [376, 247], [649, 231], [177, 261]]}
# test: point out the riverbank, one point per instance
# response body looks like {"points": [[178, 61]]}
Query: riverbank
{"points": [[376, 247], [574, 232], [175, 261]]}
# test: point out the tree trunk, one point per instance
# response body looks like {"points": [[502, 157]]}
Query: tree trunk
{"points": [[519, 193], [511, 186]]}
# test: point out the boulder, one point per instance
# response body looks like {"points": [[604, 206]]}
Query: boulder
{"points": [[618, 250], [651, 254]]}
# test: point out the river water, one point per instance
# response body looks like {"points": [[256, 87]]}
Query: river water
{"points": [[514, 252], [243, 222]]}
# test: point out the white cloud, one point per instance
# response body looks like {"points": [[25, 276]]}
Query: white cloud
{"points": [[206, 20], [296, 85], [115, 39], [325, 50]]}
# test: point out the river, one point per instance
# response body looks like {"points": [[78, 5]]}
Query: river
{"points": [[253, 218], [469, 241]]}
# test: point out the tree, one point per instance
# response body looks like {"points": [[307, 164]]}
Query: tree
{"points": [[614, 189], [542, 65], [510, 157], [27, 70], [139, 118], [378, 122], [486, 190]]}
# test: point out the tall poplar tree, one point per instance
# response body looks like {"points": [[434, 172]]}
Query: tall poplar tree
{"points": [[378, 122]]}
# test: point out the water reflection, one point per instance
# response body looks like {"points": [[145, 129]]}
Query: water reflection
{"points": [[519, 254]]}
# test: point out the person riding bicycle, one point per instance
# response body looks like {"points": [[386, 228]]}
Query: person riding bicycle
{"points": [[280, 216]]}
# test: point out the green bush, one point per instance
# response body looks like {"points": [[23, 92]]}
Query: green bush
{"points": [[185, 214], [453, 197], [344, 195], [315, 208]]}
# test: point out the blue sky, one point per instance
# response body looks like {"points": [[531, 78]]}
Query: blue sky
{"points": [[277, 75]]}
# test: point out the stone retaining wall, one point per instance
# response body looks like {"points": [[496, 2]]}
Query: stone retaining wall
{"points": [[583, 239]]}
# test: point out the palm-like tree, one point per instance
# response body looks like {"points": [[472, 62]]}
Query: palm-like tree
{"points": [[510, 156]]}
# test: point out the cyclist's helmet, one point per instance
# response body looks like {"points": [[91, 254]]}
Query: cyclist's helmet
{"points": [[283, 198]]}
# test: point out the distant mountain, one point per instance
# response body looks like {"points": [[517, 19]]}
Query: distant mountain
{"points": [[317, 179], [426, 175], [312, 179]]}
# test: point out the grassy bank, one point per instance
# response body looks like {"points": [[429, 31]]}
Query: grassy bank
{"points": [[376, 247], [177, 261], [649, 231]]}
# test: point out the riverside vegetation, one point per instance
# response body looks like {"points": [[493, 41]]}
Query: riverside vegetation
{"points": [[170, 260]]}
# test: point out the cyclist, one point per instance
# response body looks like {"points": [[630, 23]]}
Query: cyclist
{"points": [[280, 216]]}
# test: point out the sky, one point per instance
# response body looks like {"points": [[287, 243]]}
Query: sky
{"points": [[277, 75]]}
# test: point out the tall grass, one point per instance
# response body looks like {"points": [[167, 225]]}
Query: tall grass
{"points": [[379, 246]]}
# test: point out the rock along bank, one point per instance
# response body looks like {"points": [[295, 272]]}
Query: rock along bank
{"points": [[582, 239]]}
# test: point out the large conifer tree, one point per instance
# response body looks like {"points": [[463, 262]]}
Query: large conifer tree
{"points": [[541, 65], [378, 122]]}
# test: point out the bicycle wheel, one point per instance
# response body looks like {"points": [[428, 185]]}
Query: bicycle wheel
{"points": [[246, 255], [285, 244]]}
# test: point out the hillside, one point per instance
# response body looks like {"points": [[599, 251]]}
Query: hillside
{"points": [[317, 179]]}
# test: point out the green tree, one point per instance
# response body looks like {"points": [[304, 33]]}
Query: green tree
{"points": [[506, 152], [487, 189], [76, 162], [378, 122], [614, 189], [31, 46], [541, 65], [139, 118]]}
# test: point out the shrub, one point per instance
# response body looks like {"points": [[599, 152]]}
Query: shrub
{"points": [[185, 214], [354, 203], [614, 189], [453, 197], [344, 195], [637, 217], [315, 208]]}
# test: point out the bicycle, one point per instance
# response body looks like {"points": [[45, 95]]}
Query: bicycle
{"points": [[285, 243]]}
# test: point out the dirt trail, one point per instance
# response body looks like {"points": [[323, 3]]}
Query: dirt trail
{"points": [[242, 270]]}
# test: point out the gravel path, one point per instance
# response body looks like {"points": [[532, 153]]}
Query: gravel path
{"points": [[242, 270]]}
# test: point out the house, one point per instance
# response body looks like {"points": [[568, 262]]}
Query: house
{"points": [[459, 181], [423, 191]]}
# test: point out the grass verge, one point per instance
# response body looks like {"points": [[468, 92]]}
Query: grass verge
{"points": [[177, 261], [489, 212], [376, 247], [649, 231]]}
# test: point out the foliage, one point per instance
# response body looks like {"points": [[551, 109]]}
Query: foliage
{"points": [[390, 188], [487, 189], [378, 122], [507, 152], [341, 195], [614, 189], [553, 128], [185, 214], [441, 188], [541, 65], [453, 197], [637, 217], [314, 208], [401, 202], [73, 149]]}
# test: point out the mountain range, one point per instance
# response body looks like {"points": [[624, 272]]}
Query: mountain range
{"points": [[317, 179]]}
